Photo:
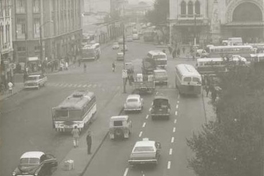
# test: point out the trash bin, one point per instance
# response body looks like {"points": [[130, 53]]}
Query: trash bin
{"points": [[68, 165]]}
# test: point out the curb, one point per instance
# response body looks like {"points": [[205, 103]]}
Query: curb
{"points": [[11, 95]]}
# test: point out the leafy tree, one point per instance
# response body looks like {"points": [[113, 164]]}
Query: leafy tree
{"points": [[233, 147], [160, 12]]}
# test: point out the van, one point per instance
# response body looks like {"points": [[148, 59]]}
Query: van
{"points": [[159, 57], [160, 76]]}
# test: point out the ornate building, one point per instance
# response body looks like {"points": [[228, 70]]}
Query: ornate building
{"points": [[53, 25], [6, 47], [210, 21]]}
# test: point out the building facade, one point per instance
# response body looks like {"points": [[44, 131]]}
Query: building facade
{"points": [[55, 26], [210, 21], [6, 47]]}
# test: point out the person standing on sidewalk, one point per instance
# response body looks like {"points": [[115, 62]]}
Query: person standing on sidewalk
{"points": [[10, 87], [113, 66], [89, 142], [84, 67], [76, 134]]}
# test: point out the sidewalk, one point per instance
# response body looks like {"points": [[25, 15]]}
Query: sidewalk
{"points": [[99, 129], [17, 88], [210, 115]]}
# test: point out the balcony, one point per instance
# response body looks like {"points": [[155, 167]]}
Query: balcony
{"points": [[190, 16]]}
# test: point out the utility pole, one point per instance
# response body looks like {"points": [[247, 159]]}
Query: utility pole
{"points": [[124, 74]]}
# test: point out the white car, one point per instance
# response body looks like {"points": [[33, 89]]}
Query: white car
{"points": [[120, 56], [135, 37], [145, 152], [35, 81], [201, 53], [36, 163], [115, 46], [133, 103]]}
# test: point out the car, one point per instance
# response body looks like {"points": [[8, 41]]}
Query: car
{"points": [[120, 56], [135, 37], [120, 41], [34, 163], [122, 48], [120, 126], [160, 76], [115, 46], [145, 152], [35, 81], [133, 103], [201, 53], [129, 39], [160, 107]]}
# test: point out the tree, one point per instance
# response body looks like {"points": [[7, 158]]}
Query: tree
{"points": [[158, 16], [233, 147]]}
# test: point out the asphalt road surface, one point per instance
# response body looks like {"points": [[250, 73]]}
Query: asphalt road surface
{"points": [[25, 122]]}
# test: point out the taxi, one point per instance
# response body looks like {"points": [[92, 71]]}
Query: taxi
{"points": [[145, 152], [34, 163], [133, 103], [35, 81]]}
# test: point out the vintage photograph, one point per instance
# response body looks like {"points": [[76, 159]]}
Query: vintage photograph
{"points": [[131, 87]]}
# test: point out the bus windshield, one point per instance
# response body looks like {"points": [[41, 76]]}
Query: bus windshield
{"points": [[66, 113]]}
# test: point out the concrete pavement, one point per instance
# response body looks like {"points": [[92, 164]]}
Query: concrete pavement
{"points": [[16, 89]]}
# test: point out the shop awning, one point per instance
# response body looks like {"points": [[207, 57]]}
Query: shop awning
{"points": [[250, 24]]}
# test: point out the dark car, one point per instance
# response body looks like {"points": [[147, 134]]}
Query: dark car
{"points": [[160, 108], [36, 163]]}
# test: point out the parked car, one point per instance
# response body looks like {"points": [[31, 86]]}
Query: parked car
{"points": [[160, 108], [133, 103], [115, 46], [120, 56], [35, 81], [36, 163], [120, 126], [145, 152], [160, 76]]}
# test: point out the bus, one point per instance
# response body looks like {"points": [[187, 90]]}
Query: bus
{"points": [[159, 57], [210, 66], [188, 80], [78, 110], [91, 52], [226, 51]]}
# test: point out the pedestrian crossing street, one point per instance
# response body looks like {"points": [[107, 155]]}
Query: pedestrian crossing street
{"points": [[99, 86]]}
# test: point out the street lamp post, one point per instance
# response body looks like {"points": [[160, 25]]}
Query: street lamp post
{"points": [[124, 69]]}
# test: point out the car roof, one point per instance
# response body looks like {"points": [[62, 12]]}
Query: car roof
{"points": [[160, 97], [122, 117], [32, 154], [133, 96], [33, 75], [160, 71], [144, 143]]}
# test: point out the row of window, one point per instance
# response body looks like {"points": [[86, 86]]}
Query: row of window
{"points": [[190, 8], [5, 5], [5, 36]]}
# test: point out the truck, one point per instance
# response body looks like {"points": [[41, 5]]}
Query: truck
{"points": [[144, 83], [148, 66]]}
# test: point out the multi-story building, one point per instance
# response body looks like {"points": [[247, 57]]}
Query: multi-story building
{"points": [[210, 21], [6, 48], [49, 29]]}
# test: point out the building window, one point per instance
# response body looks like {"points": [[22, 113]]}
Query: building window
{"points": [[20, 6], [197, 8], [36, 6], [1, 36], [21, 49], [36, 26], [8, 34], [183, 8], [190, 8], [21, 29], [1, 8]]}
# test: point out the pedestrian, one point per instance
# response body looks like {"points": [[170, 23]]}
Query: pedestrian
{"points": [[207, 89], [79, 62], [66, 65], [89, 142], [84, 67], [76, 134], [174, 54], [170, 49], [25, 76], [10, 87], [178, 52], [113, 66], [213, 94]]}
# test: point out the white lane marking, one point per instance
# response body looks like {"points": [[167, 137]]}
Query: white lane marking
{"points": [[176, 112], [172, 139], [75, 85], [177, 106], [147, 116], [144, 124], [174, 129], [149, 109], [126, 171], [70, 85], [178, 96], [169, 165], [140, 134], [84, 85], [178, 101], [170, 152], [175, 121]]}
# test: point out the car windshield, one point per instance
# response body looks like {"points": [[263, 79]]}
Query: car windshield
{"points": [[32, 78], [29, 161], [160, 74], [144, 149], [160, 102], [131, 100]]}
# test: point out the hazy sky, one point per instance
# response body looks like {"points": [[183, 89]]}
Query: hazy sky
{"points": [[137, 1]]}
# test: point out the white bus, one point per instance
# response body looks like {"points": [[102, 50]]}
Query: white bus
{"points": [[187, 79], [210, 66], [91, 52], [159, 57], [78, 109], [225, 51]]}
